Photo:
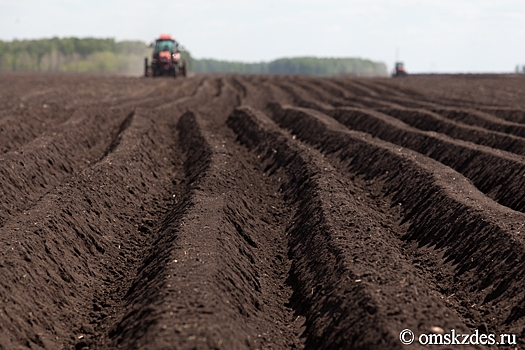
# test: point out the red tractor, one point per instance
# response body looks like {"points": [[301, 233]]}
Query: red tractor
{"points": [[166, 60]]}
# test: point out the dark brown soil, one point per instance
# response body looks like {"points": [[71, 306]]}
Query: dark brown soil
{"points": [[259, 212]]}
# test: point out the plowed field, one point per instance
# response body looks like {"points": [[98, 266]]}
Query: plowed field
{"points": [[259, 212]]}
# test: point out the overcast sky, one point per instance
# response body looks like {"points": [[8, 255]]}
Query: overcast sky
{"points": [[432, 35]]}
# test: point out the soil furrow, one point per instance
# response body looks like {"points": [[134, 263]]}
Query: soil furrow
{"points": [[419, 97], [512, 115], [278, 94], [392, 100], [259, 211], [383, 90], [201, 88], [259, 93], [471, 90], [481, 119], [24, 125], [373, 97], [351, 100], [345, 270], [408, 98], [35, 90], [31, 171], [320, 94], [302, 97], [218, 256], [501, 183], [73, 265], [239, 86], [411, 98], [170, 93], [356, 88], [429, 121], [474, 236]]}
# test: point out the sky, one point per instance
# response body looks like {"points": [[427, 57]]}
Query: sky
{"points": [[432, 36]]}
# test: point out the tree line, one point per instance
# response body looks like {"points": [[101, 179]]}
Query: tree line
{"points": [[111, 56], [296, 65], [71, 55]]}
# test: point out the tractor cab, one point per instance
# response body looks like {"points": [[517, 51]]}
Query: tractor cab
{"points": [[166, 45]]}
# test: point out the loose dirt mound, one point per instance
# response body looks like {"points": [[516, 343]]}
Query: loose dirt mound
{"points": [[256, 212]]}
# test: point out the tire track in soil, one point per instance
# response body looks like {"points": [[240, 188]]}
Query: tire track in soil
{"points": [[348, 301], [34, 169], [478, 241]]}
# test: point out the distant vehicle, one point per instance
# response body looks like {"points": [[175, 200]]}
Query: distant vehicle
{"points": [[166, 59], [399, 70]]}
